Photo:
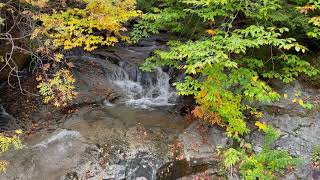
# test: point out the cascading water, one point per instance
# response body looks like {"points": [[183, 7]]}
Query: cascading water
{"points": [[7, 121], [139, 89], [3, 112], [144, 90]]}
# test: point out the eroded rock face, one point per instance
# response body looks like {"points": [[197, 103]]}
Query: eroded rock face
{"points": [[130, 144], [47, 159], [202, 147], [99, 143], [300, 128], [197, 146]]}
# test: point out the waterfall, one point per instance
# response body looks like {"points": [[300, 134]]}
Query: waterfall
{"points": [[142, 89], [7, 121], [3, 112], [139, 89]]}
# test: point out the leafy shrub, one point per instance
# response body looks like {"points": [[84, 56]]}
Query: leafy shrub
{"points": [[79, 26], [5, 143], [266, 164], [315, 155], [58, 26], [221, 74], [312, 7], [59, 90]]}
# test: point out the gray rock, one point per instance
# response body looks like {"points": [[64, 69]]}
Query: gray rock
{"points": [[130, 144], [48, 159], [202, 147], [142, 168], [300, 128]]}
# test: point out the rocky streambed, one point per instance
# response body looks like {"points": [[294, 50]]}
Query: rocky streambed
{"points": [[126, 124], [100, 143]]}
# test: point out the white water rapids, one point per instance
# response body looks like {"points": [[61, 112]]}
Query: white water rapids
{"points": [[144, 90]]}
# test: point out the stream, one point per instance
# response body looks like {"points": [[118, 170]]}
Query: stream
{"points": [[127, 124], [125, 139]]}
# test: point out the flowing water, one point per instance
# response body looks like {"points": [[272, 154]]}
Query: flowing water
{"points": [[144, 90], [136, 132], [7, 121]]}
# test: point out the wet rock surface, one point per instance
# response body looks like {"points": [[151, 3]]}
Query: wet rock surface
{"points": [[130, 144], [198, 156], [99, 143], [46, 159], [95, 70]]}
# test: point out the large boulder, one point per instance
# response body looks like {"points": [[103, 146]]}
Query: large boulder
{"points": [[197, 155], [46, 157]]}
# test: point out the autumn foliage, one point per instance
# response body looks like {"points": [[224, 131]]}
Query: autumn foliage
{"points": [[94, 23], [60, 26]]}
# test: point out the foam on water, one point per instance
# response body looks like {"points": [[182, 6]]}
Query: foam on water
{"points": [[3, 112], [59, 135], [145, 90]]}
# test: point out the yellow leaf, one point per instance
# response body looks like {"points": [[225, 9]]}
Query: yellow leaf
{"points": [[259, 114], [261, 126], [301, 102], [294, 100], [2, 5], [18, 131], [255, 78], [58, 57], [285, 96], [211, 32], [56, 104]]}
